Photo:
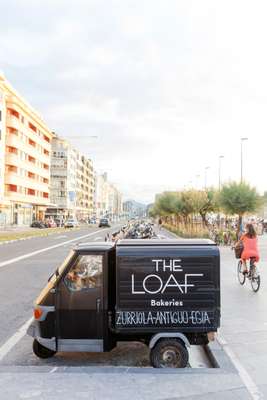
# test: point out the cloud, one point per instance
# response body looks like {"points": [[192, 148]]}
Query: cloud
{"points": [[166, 88]]}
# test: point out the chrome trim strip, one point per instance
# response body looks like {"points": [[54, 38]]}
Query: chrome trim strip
{"points": [[79, 345]]}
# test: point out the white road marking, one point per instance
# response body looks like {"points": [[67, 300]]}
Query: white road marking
{"points": [[53, 370], [244, 375], [16, 259], [61, 237], [162, 237], [13, 340], [98, 238]]}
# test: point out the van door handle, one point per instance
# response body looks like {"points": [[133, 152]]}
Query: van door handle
{"points": [[98, 302]]}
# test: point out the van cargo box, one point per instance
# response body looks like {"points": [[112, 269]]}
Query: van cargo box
{"points": [[171, 285]]}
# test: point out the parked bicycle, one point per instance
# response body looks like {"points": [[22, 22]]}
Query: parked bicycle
{"points": [[252, 274]]}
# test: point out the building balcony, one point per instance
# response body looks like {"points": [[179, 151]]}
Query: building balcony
{"points": [[13, 121], [14, 141], [13, 159], [26, 198], [11, 178]]}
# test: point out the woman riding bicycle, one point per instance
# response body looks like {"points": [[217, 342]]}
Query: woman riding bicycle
{"points": [[250, 243]]}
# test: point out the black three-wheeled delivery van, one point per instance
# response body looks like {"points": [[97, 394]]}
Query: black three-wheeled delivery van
{"points": [[165, 293]]}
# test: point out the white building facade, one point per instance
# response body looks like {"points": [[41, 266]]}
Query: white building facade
{"points": [[72, 182], [108, 199], [25, 150]]}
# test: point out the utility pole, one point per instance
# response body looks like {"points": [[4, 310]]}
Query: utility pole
{"points": [[197, 178], [220, 159]]}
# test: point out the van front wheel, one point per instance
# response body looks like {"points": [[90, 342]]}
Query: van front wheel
{"points": [[42, 351], [169, 353]]}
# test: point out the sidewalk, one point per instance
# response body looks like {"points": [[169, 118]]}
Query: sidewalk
{"points": [[123, 383]]}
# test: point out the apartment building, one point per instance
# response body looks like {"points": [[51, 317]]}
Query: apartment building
{"points": [[108, 199], [25, 150], [72, 181]]}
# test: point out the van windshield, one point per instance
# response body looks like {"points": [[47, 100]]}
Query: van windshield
{"points": [[61, 268], [53, 278]]}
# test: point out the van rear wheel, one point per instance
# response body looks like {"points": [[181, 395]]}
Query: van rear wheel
{"points": [[42, 351], [169, 353]]}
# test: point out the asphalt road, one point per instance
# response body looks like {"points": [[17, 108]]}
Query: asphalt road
{"points": [[22, 280], [243, 335]]}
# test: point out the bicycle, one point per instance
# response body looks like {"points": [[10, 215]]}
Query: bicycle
{"points": [[253, 274]]}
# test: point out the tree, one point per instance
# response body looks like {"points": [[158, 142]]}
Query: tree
{"points": [[209, 205], [239, 198], [196, 202], [165, 205]]}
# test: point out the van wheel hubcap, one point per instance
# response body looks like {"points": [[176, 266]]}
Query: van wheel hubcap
{"points": [[170, 358]]}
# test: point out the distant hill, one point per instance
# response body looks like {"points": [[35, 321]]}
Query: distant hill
{"points": [[134, 208]]}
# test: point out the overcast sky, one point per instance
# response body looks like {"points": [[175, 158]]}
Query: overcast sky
{"points": [[166, 86]]}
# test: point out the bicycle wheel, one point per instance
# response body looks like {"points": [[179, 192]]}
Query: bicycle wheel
{"points": [[255, 280], [240, 275]]}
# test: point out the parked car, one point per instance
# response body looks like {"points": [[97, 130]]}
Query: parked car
{"points": [[38, 224], [91, 220], [59, 222], [71, 223], [104, 222], [51, 223]]}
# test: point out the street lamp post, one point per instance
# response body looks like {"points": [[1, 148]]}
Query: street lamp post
{"points": [[206, 170], [197, 178], [220, 166], [241, 158]]}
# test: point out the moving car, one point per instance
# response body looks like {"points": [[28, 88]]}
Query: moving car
{"points": [[71, 223], [165, 294], [103, 222]]}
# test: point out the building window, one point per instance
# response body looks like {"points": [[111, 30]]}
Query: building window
{"points": [[12, 188], [32, 143], [11, 149], [31, 192], [13, 131], [12, 112], [46, 138], [12, 168], [32, 127], [31, 159], [31, 175]]}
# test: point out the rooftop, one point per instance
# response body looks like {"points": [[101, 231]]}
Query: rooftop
{"points": [[168, 242], [95, 246]]}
